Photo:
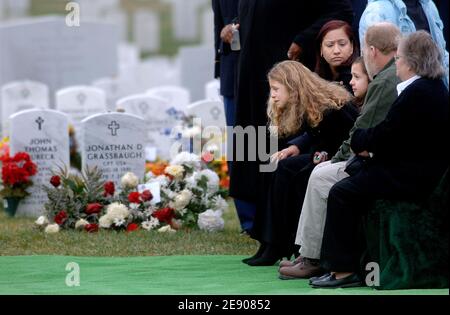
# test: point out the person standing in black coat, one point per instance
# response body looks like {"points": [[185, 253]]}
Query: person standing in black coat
{"points": [[407, 154], [272, 31], [225, 16]]}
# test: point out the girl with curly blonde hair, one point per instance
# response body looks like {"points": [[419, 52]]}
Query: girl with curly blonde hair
{"points": [[299, 96]]}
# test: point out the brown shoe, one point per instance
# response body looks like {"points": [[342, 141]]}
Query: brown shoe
{"points": [[305, 269], [289, 263]]}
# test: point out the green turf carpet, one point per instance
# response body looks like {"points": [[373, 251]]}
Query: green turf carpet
{"points": [[168, 275]]}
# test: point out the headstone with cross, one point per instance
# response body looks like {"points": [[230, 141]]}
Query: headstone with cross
{"points": [[44, 135], [115, 143], [160, 119], [210, 112], [22, 95]]}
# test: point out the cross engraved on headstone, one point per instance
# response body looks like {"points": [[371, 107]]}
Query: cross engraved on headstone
{"points": [[114, 126], [39, 121], [25, 93], [215, 112], [81, 98], [143, 107]]}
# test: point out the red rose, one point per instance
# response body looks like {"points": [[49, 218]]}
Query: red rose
{"points": [[132, 227], [93, 208], [30, 168], [91, 228], [109, 189], [133, 197], [61, 217], [146, 195], [164, 215], [55, 181]]}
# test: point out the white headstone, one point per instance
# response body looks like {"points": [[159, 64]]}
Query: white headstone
{"points": [[115, 89], [185, 18], [44, 135], [80, 102], [120, 20], [47, 50], [146, 30], [197, 68], [18, 96], [115, 143], [160, 119], [208, 27], [210, 112], [176, 96], [212, 90]]}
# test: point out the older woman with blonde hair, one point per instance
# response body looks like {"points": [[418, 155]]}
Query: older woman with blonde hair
{"points": [[408, 156], [300, 102]]}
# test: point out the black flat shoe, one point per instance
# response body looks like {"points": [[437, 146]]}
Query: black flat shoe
{"points": [[330, 282], [258, 254], [268, 258], [312, 279]]}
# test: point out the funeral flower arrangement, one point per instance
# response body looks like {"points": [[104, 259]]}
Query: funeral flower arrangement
{"points": [[189, 196], [17, 171]]}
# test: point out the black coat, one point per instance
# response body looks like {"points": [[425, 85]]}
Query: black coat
{"points": [[411, 145], [267, 29], [225, 12]]}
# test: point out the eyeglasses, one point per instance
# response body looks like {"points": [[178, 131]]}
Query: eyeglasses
{"points": [[397, 57]]}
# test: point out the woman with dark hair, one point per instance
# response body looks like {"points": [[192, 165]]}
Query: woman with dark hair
{"points": [[335, 52]]}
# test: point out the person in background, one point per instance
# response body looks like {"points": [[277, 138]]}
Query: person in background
{"points": [[336, 49], [420, 115], [409, 16], [225, 14]]}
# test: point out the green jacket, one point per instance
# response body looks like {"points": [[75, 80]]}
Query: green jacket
{"points": [[381, 93]]}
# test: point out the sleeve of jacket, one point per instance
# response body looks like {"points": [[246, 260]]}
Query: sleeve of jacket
{"points": [[373, 111], [218, 26], [371, 139], [375, 12], [302, 142], [327, 10]]}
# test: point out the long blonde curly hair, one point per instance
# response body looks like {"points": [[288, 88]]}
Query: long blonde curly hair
{"points": [[309, 97]]}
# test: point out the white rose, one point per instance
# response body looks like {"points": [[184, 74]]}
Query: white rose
{"points": [[105, 222], [177, 171], [81, 224], [166, 228], [42, 220], [129, 180], [117, 211], [52, 229], [210, 221], [186, 158], [181, 200], [218, 203], [213, 179]]}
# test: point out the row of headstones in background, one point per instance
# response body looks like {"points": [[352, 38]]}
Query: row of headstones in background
{"points": [[114, 142], [57, 55]]}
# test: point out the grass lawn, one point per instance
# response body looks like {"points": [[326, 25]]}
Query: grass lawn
{"points": [[19, 236]]}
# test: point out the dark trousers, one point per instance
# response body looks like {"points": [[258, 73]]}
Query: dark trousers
{"points": [[277, 217], [245, 210], [348, 200]]}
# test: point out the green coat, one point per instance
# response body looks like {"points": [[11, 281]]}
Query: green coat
{"points": [[381, 94]]}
